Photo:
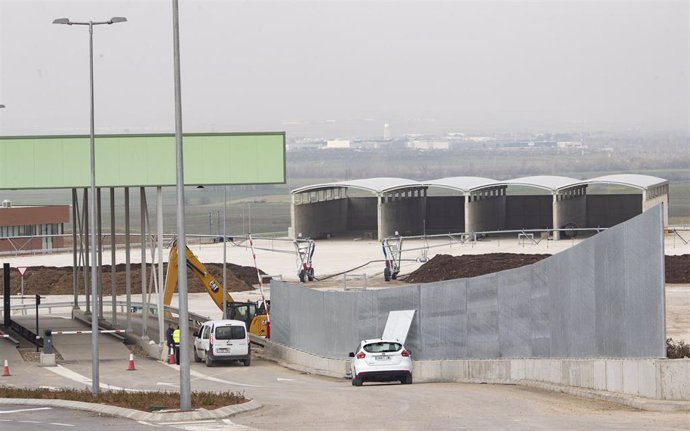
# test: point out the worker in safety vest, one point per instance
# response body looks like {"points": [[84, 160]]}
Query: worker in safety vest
{"points": [[176, 340]]}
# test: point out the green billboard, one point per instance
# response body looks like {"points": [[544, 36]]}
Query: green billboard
{"points": [[44, 162]]}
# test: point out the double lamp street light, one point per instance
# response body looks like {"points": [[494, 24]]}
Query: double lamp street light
{"points": [[95, 386]]}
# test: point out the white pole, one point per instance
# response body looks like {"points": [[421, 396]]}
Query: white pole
{"points": [[185, 381], [225, 255], [159, 219]]}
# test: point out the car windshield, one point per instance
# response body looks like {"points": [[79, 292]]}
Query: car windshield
{"points": [[382, 347], [230, 333]]}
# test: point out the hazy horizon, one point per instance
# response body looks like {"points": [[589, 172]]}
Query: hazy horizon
{"points": [[344, 68]]}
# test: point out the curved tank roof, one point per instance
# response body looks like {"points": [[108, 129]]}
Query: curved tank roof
{"points": [[551, 183], [374, 185], [642, 182], [467, 184], [464, 184]]}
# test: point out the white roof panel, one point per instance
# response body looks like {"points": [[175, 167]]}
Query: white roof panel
{"points": [[374, 185], [547, 182], [633, 180], [464, 184]]}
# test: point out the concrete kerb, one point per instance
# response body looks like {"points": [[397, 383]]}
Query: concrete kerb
{"points": [[200, 414], [627, 400]]}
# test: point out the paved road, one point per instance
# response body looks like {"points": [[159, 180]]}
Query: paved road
{"points": [[22, 418], [300, 401]]}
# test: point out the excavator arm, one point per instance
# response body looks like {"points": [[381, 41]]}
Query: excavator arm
{"points": [[249, 312], [213, 287]]}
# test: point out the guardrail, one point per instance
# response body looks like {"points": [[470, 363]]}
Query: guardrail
{"points": [[136, 306]]}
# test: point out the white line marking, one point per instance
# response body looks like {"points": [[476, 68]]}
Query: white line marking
{"points": [[73, 375], [203, 421], [280, 379], [60, 424], [213, 379], [25, 410], [167, 384]]}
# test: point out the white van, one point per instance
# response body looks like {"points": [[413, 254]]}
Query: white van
{"points": [[222, 340]]}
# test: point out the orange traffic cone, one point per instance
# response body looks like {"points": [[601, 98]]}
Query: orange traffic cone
{"points": [[130, 367], [171, 356], [6, 370]]}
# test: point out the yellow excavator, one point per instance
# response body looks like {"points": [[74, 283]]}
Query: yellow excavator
{"points": [[254, 315]]}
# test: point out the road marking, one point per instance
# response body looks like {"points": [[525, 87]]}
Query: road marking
{"points": [[73, 375], [201, 421], [206, 425], [280, 379], [213, 379], [167, 384], [61, 424], [25, 410]]}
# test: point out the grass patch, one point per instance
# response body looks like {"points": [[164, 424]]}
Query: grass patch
{"points": [[145, 401]]}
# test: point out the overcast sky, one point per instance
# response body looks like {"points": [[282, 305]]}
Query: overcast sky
{"points": [[344, 68]]}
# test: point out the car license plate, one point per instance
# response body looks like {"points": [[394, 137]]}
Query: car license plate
{"points": [[383, 358], [223, 350]]}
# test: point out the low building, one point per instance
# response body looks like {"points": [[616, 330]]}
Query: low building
{"points": [[338, 143], [32, 227]]}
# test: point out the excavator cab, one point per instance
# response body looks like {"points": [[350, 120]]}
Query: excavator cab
{"points": [[251, 314], [242, 311]]}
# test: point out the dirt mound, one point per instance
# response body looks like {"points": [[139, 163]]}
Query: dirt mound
{"points": [[446, 267], [678, 269], [47, 280]]}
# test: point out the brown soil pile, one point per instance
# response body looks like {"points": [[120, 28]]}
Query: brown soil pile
{"points": [[446, 267], [47, 280], [678, 269]]}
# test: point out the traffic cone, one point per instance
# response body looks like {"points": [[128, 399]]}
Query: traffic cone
{"points": [[171, 356], [130, 367], [6, 370]]}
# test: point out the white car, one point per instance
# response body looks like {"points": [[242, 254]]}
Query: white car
{"points": [[222, 340], [381, 360]]}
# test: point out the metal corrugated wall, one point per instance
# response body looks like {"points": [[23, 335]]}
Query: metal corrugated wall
{"points": [[601, 298]]}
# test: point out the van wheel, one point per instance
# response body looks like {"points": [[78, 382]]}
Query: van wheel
{"points": [[209, 361], [247, 362], [196, 356]]}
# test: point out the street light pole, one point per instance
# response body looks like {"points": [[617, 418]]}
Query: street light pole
{"points": [[185, 379], [95, 384], [225, 256]]}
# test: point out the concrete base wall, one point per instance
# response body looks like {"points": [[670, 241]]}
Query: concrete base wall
{"points": [[361, 214], [659, 379], [529, 212], [403, 215], [316, 220], [445, 214], [486, 215], [610, 210]]}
